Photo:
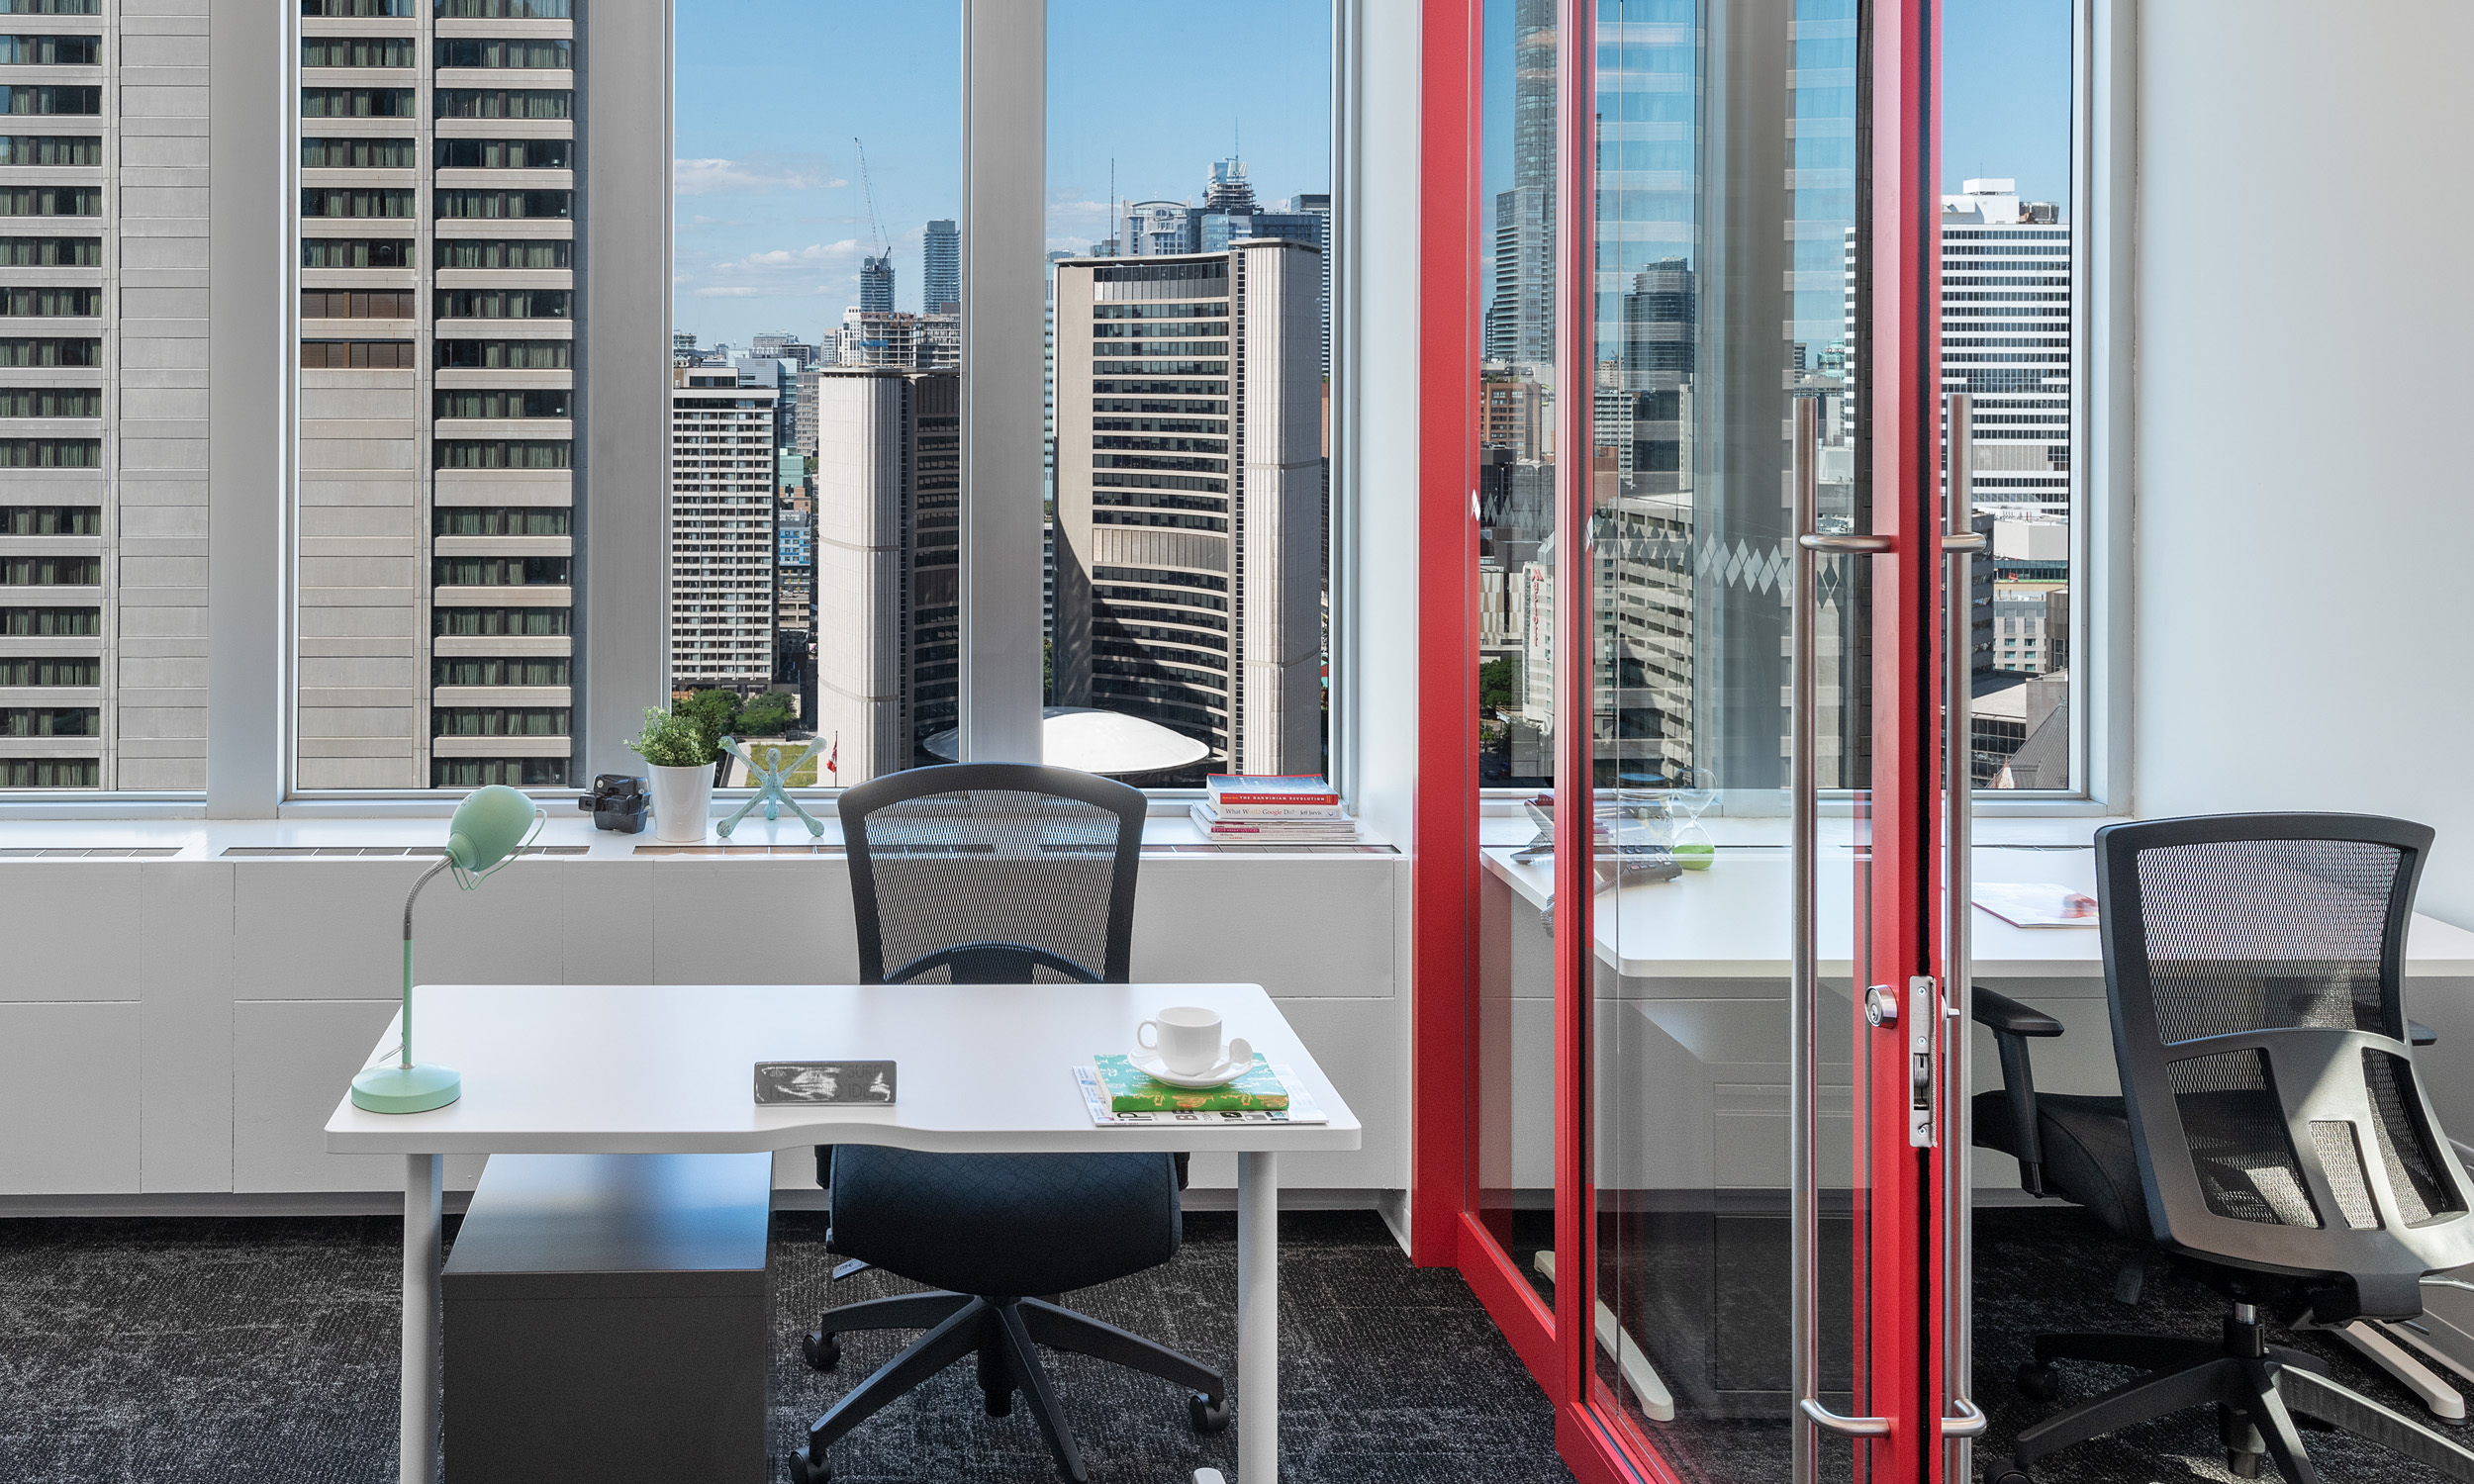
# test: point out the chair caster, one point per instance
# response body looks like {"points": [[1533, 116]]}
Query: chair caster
{"points": [[823, 1350], [999, 1403], [806, 1470], [1207, 1415], [2245, 1465], [2037, 1383], [2009, 1476]]}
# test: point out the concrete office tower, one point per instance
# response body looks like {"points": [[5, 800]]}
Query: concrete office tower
{"points": [[888, 620], [103, 459], [1159, 229], [438, 415], [2006, 334], [875, 284], [803, 429], [781, 345], [795, 572], [940, 270], [722, 537], [1188, 489], [870, 337]]}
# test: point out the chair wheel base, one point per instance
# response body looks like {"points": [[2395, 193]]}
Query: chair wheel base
{"points": [[1207, 1415], [823, 1350], [806, 1470], [2038, 1383]]}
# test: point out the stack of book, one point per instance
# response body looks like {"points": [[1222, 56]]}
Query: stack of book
{"points": [[1264, 809]]}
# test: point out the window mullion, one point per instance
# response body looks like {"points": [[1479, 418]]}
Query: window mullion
{"points": [[1005, 174]]}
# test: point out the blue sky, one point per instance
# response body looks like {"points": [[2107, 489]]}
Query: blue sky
{"points": [[771, 215]]}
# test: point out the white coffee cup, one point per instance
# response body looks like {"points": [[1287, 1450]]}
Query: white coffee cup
{"points": [[1186, 1037]]}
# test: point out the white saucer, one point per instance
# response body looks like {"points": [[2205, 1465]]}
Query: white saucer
{"points": [[1150, 1066]]}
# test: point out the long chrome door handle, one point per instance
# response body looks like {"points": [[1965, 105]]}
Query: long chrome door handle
{"points": [[1959, 543], [1864, 545], [1845, 1427]]}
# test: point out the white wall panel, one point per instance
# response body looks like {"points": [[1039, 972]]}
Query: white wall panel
{"points": [[71, 1090], [184, 944], [2300, 580]]}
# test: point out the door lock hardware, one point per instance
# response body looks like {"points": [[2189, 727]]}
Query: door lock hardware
{"points": [[1880, 1005], [1924, 1062]]}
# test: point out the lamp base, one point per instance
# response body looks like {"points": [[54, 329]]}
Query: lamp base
{"points": [[417, 1088]]}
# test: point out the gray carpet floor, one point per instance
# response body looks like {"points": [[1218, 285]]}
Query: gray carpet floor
{"points": [[230, 1349], [265, 1351]]}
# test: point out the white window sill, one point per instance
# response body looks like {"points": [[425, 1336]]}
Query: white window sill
{"points": [[567, 829]]}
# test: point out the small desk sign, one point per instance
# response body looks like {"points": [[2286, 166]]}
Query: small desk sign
{"points": [[787, 1082]]}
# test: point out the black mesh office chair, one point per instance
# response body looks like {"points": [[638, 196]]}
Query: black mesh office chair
{"points": [[996, 873], [2271, 1137]]}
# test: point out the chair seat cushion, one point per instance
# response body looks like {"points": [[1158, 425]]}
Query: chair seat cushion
{"points": [[1004, 1226], [2088, 1156]]}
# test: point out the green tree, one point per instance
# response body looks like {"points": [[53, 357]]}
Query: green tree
{"points": [[1498, 684], [766, 714], [714, 713]]}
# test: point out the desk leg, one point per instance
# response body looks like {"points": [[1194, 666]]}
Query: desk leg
{"points": [[1258, 1318], [418, 1446]]}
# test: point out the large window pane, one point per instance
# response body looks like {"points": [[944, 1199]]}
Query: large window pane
{"points": [[440, 551], [1189, 382], [102, 433], [2009, 294], [816, 416]]}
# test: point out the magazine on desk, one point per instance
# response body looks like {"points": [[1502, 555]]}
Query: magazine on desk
{"points": [[2035, 904], [1301, 1105]]}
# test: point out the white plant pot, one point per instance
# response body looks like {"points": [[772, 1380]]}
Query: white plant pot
{"points": [[682, 802]]}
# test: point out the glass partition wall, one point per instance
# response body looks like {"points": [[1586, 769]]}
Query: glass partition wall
{"points": [[1695, 1173]]}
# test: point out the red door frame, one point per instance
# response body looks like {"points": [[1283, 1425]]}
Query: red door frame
{"points": [[1903, 1276]]}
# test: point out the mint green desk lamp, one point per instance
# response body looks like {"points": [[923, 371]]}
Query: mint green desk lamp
{"points": [[489, 826]]}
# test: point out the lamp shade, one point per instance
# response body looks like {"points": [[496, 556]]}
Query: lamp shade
{"points": [[488, 827]]}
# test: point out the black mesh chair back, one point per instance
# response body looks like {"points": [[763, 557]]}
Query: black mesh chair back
{"points": [[994, 873], [2255, 963]]}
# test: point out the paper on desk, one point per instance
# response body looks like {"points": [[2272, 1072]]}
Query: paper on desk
{"points": [[1301, 1105], [2035, 904]]}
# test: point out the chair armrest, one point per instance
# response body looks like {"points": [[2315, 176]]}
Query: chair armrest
{"points": [[2006, 1016], [2420, 1033], [2012, 1023]]}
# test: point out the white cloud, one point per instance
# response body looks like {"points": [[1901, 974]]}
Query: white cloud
{"points": [[729, 293], [704, 177]]}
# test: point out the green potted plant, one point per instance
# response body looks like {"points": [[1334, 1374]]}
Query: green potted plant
{"points": [[679, 760]]}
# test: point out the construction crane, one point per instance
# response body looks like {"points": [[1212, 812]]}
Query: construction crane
{"points": [[883, 248]]}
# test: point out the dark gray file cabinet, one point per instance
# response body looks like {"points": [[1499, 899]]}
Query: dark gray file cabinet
{"points": [[608, 1316]]}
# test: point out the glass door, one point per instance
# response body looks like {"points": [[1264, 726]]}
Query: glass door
{"points": [[1707, 654]]}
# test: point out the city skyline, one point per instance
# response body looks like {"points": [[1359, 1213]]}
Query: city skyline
{"points": [[772, 216]]}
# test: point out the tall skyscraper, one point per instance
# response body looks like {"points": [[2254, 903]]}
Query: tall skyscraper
{"points": [[1317, 204], [1520, 322], [888, 613], [103, 587], [1188, 494], [875, 285], [437, 402], [2006, 340], [721, 534], [940, 270]]}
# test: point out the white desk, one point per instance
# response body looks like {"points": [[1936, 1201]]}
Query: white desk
{"points": [[1731, 920], [981, 1068]]}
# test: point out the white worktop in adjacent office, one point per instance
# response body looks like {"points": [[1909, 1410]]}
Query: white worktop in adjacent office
{"points": [[1730, 921]]}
